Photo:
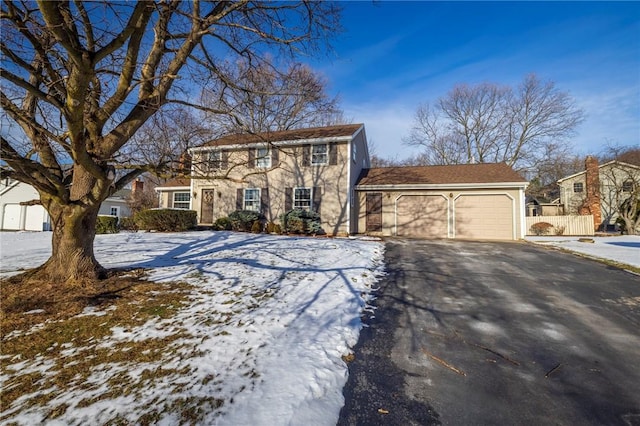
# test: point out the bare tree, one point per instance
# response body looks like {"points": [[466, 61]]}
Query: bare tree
{"points": [[263, 98], [620, 186], [491, 123], [80, 79]]}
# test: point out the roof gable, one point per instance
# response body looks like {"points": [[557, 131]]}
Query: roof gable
{"points": [[340, 131], [600, 167], [440, 175]]}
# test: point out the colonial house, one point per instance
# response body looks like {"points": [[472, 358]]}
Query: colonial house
{"points": [[599, 190], [327, 169]]}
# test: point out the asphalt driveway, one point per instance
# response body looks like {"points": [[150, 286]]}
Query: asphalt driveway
{"points": [[475, 333]]}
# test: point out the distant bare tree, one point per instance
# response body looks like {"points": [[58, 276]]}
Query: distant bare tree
{"points": [[492, 123], [262, 98]]}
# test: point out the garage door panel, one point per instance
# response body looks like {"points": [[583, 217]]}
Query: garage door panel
{"points": [[422, 216], [484, 217]]}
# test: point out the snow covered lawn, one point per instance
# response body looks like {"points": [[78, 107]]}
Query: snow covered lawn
{"points": [[622, 249], [261, 339]]}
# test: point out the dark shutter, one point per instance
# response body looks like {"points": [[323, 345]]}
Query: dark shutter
{"points": [[274, 156], [288, 199], [317, 197], [224, 164], [306, 155], [264, 201], [240, 199], [252, 158], [333, 154]]}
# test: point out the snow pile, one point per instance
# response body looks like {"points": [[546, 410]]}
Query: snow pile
{"points": [[264, 332], [623, 249]]}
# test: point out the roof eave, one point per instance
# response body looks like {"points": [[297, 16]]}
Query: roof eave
{"points": [[432, 186], [292, 142]]}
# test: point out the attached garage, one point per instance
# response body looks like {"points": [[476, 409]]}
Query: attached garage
{"points": [[484, 216], [424, 216], [471, 201]]}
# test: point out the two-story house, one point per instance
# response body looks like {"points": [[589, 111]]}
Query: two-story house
{"points": [[274, 172], [327, 169], [599, 190]]}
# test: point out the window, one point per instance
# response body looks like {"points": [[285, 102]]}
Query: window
{"points": [[114, 211], [319, 154], [302, 198], [214, 160], [252, 199], [354, 152], [627, 186], [181, 200], [263, 159], [577, 187]]}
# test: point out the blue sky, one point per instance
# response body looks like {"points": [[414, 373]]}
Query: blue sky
{"points": [[395, 55]]}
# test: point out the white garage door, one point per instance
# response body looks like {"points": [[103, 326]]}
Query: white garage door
{"points": [[484, 217], [423, 216], [36, 219], [11, 217]]}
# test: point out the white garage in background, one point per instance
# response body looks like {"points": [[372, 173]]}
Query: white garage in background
{"points": [[470, 201], [16, 212]]}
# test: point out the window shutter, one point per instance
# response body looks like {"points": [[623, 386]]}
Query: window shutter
{"points": [[317, 196], [252, 158], [333, 154], [288, 199], [224, 163], [264, 201], [240, 199], [274, 156], [306, 155]]}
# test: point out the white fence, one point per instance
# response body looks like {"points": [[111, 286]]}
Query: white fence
{"points": [[573, 225]]}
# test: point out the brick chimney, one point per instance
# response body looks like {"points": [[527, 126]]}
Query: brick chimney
{"points": [[137, 186], [592, 183]]}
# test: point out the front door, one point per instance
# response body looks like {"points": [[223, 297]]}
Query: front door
{"points": [[374, 212], [206, 206]]}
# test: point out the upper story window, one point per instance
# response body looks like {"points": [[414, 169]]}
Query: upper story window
{"points": [[354, 152], [627, 186], [578, 187], [114, 211], [252, 199], [319, 154], [263, 157], [302, 198], [181, 200], [214, 160]]}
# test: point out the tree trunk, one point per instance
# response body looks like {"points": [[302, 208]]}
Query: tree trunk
{"points": [[72, 258]]}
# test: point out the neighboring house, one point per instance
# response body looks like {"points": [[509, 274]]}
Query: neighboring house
{"points": [[599, 190], [467, 201], [19, 210], [535, 207], [328, 170], [116, 204]]}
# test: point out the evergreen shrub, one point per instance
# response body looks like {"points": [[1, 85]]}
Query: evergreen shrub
{"points": [[300, 221], [242, 220], [107, 225], [166, 220]]}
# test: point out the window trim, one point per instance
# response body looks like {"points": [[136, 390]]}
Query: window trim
{"points": [[326, 154], [265, 158], [188, 202], [576, 186], [256, 200], [294, 199], [117, 209]]}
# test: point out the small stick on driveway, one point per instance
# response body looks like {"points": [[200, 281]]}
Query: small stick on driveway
{"points": [[443, 362], [552, 370]]}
